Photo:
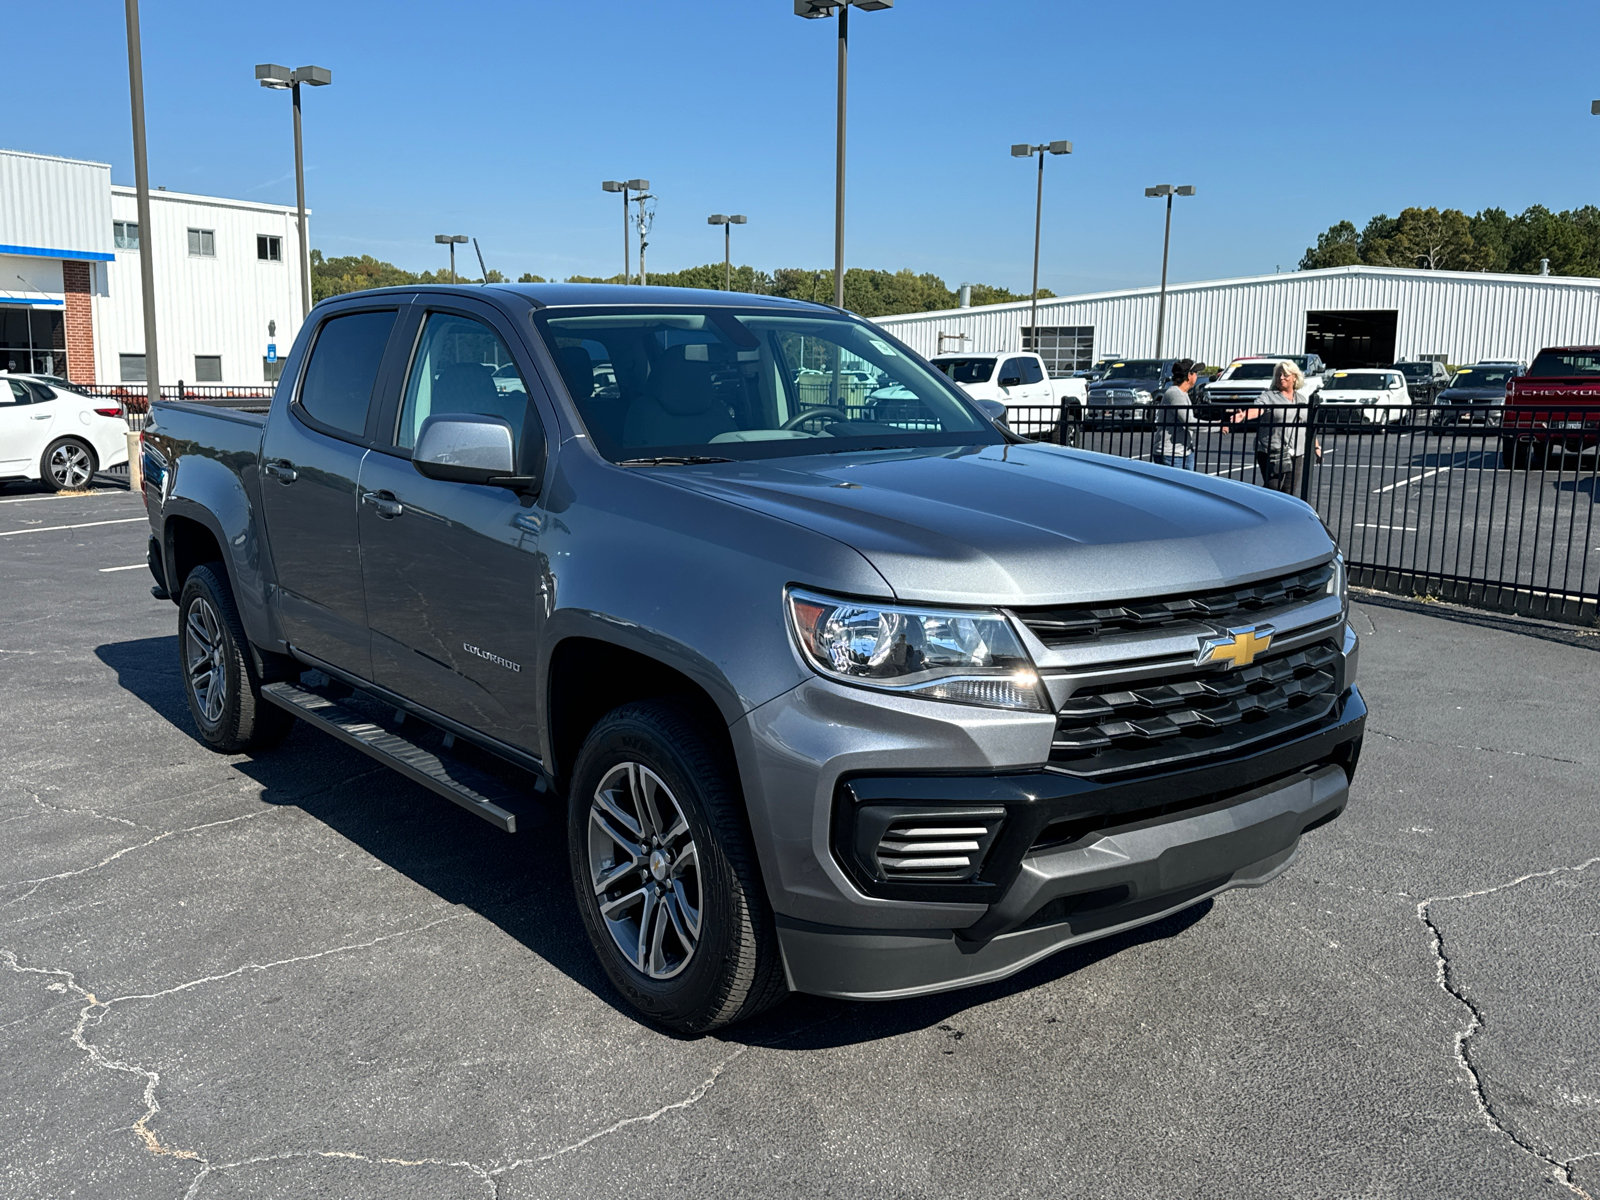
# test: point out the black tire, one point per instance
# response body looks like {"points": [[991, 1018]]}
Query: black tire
{"points": [[212, 651], [67, 464], [733, 969], [1520, 455], [1069, 429]]}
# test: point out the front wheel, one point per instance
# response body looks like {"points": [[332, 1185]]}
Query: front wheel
{"points": [[665, 875], [66, 465], [218, 677]]}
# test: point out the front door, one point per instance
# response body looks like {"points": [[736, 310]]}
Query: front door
{"points": [[454, 576], [24, 428], [311, 461]]}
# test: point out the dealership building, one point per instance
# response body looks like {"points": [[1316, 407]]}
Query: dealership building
{"points": [[226, 278], [1351, 316]]}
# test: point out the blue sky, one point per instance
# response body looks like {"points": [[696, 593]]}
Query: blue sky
{"points": [[499, 118]]}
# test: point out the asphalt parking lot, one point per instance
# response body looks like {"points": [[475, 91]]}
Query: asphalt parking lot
{"points": [[299, 975]]}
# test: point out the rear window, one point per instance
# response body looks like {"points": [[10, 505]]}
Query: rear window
{"points": [[343, 368], [967, 370], [1556, 363]]}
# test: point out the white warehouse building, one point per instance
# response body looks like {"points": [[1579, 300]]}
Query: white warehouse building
{"points": [[1351, 316], [226, 278]]}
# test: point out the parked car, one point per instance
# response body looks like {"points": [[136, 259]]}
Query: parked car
{"points": [[1037, 406], [1424, 380], [1476, 396], [1373, 398], [1129, 392], [828, 704], [1552, 411], [54, 433], [1242, 381]]}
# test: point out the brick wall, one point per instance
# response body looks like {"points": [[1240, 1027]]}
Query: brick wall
{"points": [[80, 322]]}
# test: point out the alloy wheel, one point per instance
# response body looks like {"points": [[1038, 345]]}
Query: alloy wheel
{"points": [[645, 870], [69, 465], [202, 656]]}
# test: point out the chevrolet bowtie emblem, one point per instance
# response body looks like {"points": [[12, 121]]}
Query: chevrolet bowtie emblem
{"points": [[1237, 647]]}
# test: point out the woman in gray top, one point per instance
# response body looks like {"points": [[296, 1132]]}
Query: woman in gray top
{"points": [[1175, 436], [1280, 430]]}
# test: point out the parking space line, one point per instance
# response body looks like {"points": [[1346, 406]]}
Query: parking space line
{"points": [[1414, 479], [53, 496], [134, 567], [85, 525], [1368, 525]]}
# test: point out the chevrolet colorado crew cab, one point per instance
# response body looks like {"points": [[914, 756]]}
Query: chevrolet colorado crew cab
{"points": [[844, 690]]}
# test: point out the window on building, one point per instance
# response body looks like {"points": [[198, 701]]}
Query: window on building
{"points": [[203, 243], [132, 368], [125, 234], [208, 368], [269, 248], [1064, 348]]}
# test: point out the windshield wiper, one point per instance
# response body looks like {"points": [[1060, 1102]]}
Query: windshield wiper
{"points": [[671, 460]]}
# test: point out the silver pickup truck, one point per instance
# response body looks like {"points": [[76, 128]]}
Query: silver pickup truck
{"points": [[840, 687]]}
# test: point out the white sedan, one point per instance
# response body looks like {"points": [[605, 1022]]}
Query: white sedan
{"points": [[52, 432], [1366, 398]]}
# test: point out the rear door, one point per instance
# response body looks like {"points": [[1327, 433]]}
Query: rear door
{"points": [[311, 461], [24, 428], [455, 580]]}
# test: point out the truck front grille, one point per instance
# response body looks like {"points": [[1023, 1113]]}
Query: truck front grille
{"points": [[1065, 625], [1194, 713]]}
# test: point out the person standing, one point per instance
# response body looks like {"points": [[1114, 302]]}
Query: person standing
{"points": [[1175, 436], [1280, 430]]}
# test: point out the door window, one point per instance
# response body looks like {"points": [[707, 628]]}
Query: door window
{"points": [[15, 393], [462, 366], [1012, 369], [343, 369], [1031, 371]]}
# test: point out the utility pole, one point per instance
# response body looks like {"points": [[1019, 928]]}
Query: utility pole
{"points": [[644, 230], [617, 185], [141, 178]]}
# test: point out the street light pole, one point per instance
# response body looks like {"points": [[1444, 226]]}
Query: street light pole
{"points": [[1023, 150], [270, 75], [1167, 190], [452, 240], [812, 9], [727, 224], [141, 176], [618, 185]]}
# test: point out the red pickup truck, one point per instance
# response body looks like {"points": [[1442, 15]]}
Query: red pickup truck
{"points": [[1553, 410]]}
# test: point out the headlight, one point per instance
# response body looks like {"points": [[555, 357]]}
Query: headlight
{"points": [[935, 654], [1142, 397], [1339, 584]]}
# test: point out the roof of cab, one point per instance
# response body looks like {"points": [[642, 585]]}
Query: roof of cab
{"points": [[589, 295]]}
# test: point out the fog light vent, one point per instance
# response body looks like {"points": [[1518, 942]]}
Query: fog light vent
{"points": [[923, 846]]}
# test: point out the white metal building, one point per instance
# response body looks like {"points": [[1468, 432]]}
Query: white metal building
{"points": [[1351, 316], [227, 283]]}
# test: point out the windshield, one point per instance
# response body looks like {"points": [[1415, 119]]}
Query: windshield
{"points": [[1362, 381], [1482, 377], [966, 370], [1132, 368], [720, 383], [1566, 362], [1253, 370], [1422, 371]]}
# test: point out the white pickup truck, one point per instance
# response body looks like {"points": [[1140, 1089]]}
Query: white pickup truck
{"points": [[1037, 406]]}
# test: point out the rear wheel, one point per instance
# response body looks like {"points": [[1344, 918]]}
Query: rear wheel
{"points": [[66, 465], [1520, 455], [664, 871], [219, 678]]}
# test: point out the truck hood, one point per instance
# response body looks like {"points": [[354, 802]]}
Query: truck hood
{"points": [[1026, 524]]}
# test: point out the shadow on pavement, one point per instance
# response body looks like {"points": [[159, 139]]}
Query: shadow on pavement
{"points": [[1548, 631], [521, 883]]}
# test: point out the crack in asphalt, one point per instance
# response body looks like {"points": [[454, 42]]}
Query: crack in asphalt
{"points": [[1560, 1170], [211, 1169], [1395, 737], [94, 1011]]}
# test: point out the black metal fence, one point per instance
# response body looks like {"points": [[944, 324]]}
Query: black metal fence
{"points": [[1467, 504]]}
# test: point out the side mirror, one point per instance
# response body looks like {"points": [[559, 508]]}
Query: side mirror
{"points": [[1011, 381], [467, 448], [994, 410]]}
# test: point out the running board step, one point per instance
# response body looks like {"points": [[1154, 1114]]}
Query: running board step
{"points": [[476, 791]]}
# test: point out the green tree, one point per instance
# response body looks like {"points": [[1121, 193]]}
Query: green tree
{"points": [[1340, 246]]}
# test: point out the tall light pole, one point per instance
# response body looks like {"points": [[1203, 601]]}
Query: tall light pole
{"points": [[452, 240], [617, 185], [727, 224], [273, 76], [141, 176], [811, 10], [1023, 150], [1167, 190]]}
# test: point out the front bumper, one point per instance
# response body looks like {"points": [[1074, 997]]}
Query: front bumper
{"points": [[1074, 860]]}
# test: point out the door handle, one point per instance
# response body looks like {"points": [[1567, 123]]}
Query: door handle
{"points": [[384, 502], [283, 472], [40, 416]]}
